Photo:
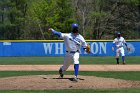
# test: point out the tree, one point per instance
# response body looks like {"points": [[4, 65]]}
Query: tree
{"points": [[57, 14], [127, 18], [100, 19], [12, 18], [82, 9]]}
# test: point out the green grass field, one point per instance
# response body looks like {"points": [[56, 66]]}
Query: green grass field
{"points": [[127, 75], [59, 60], [75, 91]]}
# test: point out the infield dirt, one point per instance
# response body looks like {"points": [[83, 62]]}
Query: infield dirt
{"points": [[82, 68], [44, 82]]}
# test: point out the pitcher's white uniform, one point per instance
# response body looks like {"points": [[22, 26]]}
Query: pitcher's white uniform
{"points": [[119, 43], [73, 45], [73, 42]]}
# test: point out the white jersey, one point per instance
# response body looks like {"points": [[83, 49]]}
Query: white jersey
{"points": [[119, 42], [73, 43]]}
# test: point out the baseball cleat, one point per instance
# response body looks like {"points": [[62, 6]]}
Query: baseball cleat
{"points": [[61, 73], [75, 79], [117, 63], [124, 63]]}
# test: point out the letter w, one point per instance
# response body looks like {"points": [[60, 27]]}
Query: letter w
{"points": [[48, 47]]}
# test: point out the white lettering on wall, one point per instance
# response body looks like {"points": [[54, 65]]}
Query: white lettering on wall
{"points": [[59, 48], [7, 43], [94, 48], [48, 47], [103, 47], [98, 47]]}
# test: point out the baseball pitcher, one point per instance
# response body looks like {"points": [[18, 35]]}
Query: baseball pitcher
{"points": [[118, 44], [73, 41]]}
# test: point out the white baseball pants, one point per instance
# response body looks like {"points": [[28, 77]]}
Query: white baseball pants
{"points": [[69, 57], [120, 51]]}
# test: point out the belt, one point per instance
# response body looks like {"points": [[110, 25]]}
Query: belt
{"points": [[72, 51], [120, 47]]}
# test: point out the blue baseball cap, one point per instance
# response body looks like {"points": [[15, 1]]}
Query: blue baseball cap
{"points": [[118, 33], [74, 25]]}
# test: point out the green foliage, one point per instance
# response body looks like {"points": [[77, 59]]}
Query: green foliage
{"points": [[99, 14], [98, 19], [132, 2], [12, 18], [56, 14]]}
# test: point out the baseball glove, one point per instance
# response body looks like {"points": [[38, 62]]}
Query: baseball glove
{"points": [[88, 48]]}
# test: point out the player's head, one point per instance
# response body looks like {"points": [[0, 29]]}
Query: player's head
{"points": [[75, 28], [118, 34]]}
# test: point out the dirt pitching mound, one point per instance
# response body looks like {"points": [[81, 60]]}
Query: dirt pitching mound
{"points": [[44, 82]]}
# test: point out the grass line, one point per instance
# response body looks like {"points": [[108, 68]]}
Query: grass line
{"points": [[73, 91], [59, 60], [127, 75]]}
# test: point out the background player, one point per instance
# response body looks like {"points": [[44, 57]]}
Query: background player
{"points": [[118, 44], [73, 41]]}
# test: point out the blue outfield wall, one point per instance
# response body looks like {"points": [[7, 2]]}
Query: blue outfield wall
{"points": [[100, 48]]}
